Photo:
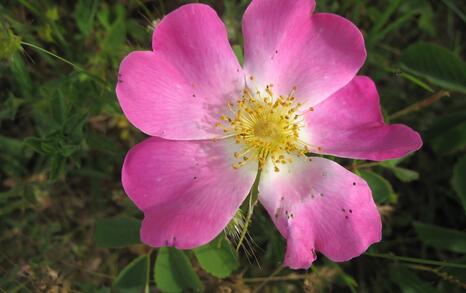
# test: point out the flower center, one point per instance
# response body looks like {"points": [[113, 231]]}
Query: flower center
{"points": [[266, 127]]}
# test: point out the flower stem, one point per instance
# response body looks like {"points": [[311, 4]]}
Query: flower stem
{"points": [[417, 260], [75, 66], [420, 105]]}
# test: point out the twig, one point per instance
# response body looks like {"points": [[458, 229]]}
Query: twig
{"points": [[365, 165], [267, 279], [290, 277], [420, 105], [444, 275]]}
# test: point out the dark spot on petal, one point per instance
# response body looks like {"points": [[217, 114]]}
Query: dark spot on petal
{"points": [[350, 211], [342, 210], [237, 70], [276, 51], [282, 198], [195, 177], [346, 217], [321, 194], [194, 95], [354, 183]]}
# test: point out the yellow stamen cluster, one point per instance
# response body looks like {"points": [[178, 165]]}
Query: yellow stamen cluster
{"points": [[266, 127]]}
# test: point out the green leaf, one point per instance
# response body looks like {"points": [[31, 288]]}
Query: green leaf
{"points": [[455, 9], [437, 64], [115, 38], [74, 125], [21, 75], [174, 272], [134, 277], [10, 107], [450, 140], [381, 188], [440, 237], [117, 232], [405, 175], [84, 13], [459, 180], [217, 258], [11, 43], [408, 281], [239, 53]]}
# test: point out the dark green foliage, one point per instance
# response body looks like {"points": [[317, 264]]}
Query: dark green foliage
{"points": [[66, 224], [117, 232]]}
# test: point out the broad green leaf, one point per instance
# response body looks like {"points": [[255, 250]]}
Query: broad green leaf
{"points": [[459, 180], [440, 237], [381, 188], [436, 64], [134, 277], [117, 232], [408, 281], [217, 258], [174, 272]]}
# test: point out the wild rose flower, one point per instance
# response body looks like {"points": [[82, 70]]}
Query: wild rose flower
{"points": [[214, 125]]}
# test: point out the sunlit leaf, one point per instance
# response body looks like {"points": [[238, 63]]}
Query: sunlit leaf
{"points": [[174, 272], [217, 258]]}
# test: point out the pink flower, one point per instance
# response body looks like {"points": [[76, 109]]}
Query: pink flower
{"points": [[213, 124]]}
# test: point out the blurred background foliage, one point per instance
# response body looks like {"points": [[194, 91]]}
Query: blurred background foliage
{"points": [[66, 225]]}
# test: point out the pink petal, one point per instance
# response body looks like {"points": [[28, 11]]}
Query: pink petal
{"points": [[187, 190], [287, 46], [179, 90], [319, 205], [350, 124]]}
